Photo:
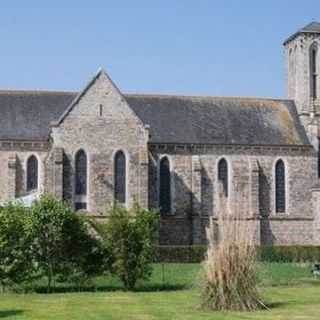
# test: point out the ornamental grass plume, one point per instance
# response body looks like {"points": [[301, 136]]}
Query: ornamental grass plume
{"points": [[230, 281]]}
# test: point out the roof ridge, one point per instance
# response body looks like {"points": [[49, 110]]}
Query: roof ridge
{"points": [[159, 95], [148, 95]]}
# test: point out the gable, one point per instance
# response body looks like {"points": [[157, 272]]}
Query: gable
{"points": [[99, 99]]}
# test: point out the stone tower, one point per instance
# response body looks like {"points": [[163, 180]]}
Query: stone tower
{"points": [[302, 52]]}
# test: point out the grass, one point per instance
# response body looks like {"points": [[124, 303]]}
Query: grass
{"points": [[289, 289]]}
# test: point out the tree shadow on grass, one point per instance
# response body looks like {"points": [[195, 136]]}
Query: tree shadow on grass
{"points": [[9, 313], [313, 282], [275, 305]]}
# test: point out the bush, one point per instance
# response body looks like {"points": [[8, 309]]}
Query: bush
{"points": [[62, 247], [128, 236], [15, 243]]}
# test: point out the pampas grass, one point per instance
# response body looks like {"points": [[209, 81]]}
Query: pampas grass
{"points": [[229, 275]]}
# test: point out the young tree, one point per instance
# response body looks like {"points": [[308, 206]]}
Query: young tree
{"points": [[62, 246], [128, 237]]}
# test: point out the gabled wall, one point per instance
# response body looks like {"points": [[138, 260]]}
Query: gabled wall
{"points": [[100, 122]]}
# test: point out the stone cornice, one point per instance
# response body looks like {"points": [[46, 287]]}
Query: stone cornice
{"points": [[24, 145], [287, 218], [208, 148]]}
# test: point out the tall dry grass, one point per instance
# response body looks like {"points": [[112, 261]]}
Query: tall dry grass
{"points": [[229, 280]]}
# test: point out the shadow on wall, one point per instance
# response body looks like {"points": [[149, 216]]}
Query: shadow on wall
{"points": [[207, 192], [184, 225], [67, 178], [266, 235], [19, 178]]}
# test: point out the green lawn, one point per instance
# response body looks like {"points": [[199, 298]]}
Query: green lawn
{"points": [[289, 289]]}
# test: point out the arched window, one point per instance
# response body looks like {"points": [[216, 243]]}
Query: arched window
{"points": [[280, 185], [32, 173], [314, 70], [165, 186], [223, 176], [120, 177], [81, 173]]}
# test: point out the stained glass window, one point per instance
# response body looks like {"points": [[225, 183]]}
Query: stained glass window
{"points": [[280, 187], [81, 173], [165, 186], [32, 173], [120, 177], [313, 71], [223, 175]]}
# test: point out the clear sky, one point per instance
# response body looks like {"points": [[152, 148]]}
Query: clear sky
{"points": [[231, 47]]}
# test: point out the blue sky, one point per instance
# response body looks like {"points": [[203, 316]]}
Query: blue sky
{"points": [[197, 47]]}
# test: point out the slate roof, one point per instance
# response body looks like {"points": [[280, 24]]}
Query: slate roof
{"points": [[313, 27], [214, 120], [26, 115]]}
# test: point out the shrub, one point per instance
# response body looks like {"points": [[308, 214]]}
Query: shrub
{"points": [[230, 281], [62, 247], [128, 237], [15, 254]]}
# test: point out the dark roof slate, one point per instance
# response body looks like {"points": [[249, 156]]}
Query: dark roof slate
{"points": [[313, 27], [214, 120], [26, 115]]}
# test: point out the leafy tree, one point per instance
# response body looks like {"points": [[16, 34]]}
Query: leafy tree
{"points": [[62, 245], [128, 237], [15, 254]]}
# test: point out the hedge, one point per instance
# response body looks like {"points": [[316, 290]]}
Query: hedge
{"points": [[180, 254], [289, 253], [196, 253]]}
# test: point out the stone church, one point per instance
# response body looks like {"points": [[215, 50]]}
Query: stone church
{"points": [[177, 153]]}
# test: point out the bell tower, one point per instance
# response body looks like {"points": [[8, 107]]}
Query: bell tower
{"points": [[302, 52]]}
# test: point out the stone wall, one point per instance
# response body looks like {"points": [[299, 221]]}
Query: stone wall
{"points": [[251, 189], [13, 163], [194, 179], [286, 231]]}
